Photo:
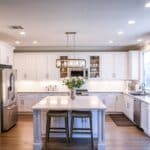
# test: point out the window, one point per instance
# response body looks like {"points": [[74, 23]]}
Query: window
{"points": [[147, 70]]}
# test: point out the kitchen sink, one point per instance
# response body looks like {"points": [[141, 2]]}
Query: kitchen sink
{"points": [[139, 93]]}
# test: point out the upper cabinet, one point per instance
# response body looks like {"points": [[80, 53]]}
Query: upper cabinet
{"points": [[120, 65], [134, 65], [94, 67], [63, 70], [114, 66], [36, 66], [102, 65], [25, 63], [6, 54]]}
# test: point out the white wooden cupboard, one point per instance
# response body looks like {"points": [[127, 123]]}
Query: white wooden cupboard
{"points": [[145, 117], [114, 66], [42, 66], [128, 106], [36, 66], [113, 101], [134, 65], [6, 54], [26, 100]]}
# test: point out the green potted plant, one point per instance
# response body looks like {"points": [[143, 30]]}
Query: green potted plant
{"points": [[73, 83]]}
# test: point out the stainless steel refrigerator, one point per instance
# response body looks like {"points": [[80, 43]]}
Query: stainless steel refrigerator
{"points": [[8, 104]]}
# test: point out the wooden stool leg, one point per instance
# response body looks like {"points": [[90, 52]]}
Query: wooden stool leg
{"points": [[91, 131], [47, 131], [71, 130], [67, 129]]}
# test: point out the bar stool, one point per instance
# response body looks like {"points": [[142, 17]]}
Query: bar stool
{"points": [[82, 115], [56, 114]]}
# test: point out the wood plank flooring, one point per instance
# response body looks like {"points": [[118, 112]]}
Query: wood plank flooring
{"points": [[117, 138]]}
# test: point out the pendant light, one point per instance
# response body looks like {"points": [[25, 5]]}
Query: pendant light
{"points": [[70, 63]]}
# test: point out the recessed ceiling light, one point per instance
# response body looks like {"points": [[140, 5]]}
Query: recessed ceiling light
{"points": [[147, 5], [35, 42], [17, 42], [110, 42], [120, 32], [139, 40], [22, 33], [131, 22]]}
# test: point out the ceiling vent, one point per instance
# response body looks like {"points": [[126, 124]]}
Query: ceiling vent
{"points": [[16, 27]]}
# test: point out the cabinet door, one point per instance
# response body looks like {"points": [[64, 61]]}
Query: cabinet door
{"points": [[26, 101], [3, 55], [120, 65], [110, 102], [6, 54], [119, 103], [107, 66], [41, 96], [134, 65], [53, 72], [129, 107], [10, 56], [19, 62], [30, 66], [144, 116], [126, 105], [25, 67], [29, 101], [41, 67], [20, 102]]}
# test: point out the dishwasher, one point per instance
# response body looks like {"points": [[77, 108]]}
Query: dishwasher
{"points": [[137, 112]]}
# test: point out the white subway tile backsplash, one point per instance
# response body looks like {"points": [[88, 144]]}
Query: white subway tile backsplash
{"points": [[57, 85]]}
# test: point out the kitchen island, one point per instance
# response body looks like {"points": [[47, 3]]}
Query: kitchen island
{"points": [[65, 103]]}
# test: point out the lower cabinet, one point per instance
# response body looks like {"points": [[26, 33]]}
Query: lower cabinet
{"points": [[128, 108], [145, 117], [26, 100], [113, 101]]}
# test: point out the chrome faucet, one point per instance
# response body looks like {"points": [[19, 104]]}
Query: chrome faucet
{"points": [[51, 87], [142, 87]]}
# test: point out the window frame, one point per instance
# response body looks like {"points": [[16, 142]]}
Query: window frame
{"points": [[144, 72]]}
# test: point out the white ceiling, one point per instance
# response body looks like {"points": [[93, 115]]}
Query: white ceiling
{"points": [[95, 21]]}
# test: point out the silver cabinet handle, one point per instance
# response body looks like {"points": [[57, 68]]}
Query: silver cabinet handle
{"points": [[25, 76], [12, 107]]}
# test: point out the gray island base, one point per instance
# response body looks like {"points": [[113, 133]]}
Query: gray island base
{"points": [[81, 103]]}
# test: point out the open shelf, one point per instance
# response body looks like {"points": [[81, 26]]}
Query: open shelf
{"points": [[94, 66], [63, 70]]}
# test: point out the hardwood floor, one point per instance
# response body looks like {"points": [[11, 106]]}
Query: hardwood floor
{"points": [[117, 138]]}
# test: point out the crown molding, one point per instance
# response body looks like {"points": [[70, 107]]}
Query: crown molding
{"points": [[77, 48]]}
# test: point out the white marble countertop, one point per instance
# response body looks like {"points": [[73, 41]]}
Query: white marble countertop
{"points": [[43, 92], [145, 99], [66, 91], [65, 103]]}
